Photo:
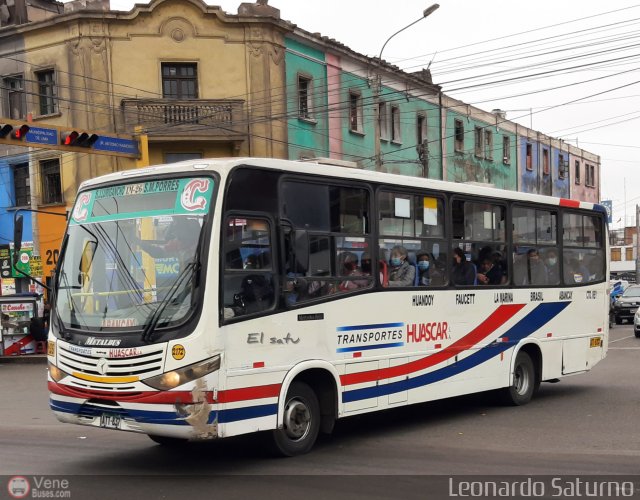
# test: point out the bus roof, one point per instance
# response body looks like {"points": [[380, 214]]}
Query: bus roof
{"points": [[224, 165]]}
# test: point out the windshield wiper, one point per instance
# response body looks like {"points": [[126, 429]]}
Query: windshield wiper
{"points": [[188, 272]]}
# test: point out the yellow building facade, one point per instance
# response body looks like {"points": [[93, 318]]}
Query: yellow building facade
{"points": [[198, 82]]}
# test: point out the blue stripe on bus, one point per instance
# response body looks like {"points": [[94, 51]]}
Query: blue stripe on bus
{"points": [[246, 413], [533, 321], [368, 327], [369, 347], [163, 417]]}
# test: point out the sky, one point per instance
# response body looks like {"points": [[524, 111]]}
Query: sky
{"points": [[567, 68]]}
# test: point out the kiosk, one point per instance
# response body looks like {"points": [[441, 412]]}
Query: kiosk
{"points": [[17, 313]]}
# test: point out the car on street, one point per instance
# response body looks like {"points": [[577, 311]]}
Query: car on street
{"points": [[626, 305], [636, 324]]}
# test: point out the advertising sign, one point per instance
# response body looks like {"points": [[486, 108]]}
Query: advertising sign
{"points": [[608, 205], [5, 261]]}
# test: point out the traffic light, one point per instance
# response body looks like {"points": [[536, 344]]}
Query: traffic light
{"points": [[5, 129], [20, 133], [78, 139]]}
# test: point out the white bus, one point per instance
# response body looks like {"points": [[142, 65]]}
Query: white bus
{"points": [[214, 298]]}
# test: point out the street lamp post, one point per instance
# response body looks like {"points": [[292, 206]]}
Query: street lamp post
{"points": [[377, 87]]}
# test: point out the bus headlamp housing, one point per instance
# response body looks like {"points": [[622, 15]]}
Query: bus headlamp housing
{"points": [[174, 378], [56, 373]]}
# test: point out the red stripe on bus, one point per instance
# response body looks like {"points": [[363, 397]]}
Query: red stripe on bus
{"points": [[150, 397], [499, 317], [564, 202], [247, 393], [169, 397]]}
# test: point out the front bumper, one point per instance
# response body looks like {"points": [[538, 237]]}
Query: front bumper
{"points": [[625, 312], [172, 414]]}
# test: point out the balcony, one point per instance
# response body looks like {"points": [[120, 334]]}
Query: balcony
{"points": [[198, 119]]}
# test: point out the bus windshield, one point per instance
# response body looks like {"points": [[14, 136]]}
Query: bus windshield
{"points": [[131, 255]]}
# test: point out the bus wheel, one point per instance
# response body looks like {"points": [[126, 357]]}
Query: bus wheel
{"points": [[523, 383], [301, 421], [168, 441]]}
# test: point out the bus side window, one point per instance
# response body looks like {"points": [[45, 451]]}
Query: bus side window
{"points": [[248, 286]]}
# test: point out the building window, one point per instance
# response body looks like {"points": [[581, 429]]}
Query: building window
{"points": [[15, 102], [529, 161], [396, 136], [577, 171], [616, 254], [179, 81], [506, 149], [382, 120], [629, 253], [590, 176], [176, 157], [561, 167], [21, 185], [421, 129], [545, 161], [459, 136], [304, 97], [51, 186], [479, 135], [46, 92], [488, 144], [355, 112]]}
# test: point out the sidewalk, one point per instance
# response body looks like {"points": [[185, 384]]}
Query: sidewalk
{"points": [[24, 359]]}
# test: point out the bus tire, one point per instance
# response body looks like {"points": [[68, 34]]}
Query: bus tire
{"points": [[523, 382], [301, 422], [169, 442]]}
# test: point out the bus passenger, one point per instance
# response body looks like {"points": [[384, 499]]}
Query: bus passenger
{"points": [[251, 262], [490, 273], [401, 273], [463, 272], [424, 269], [575, 271], [365, 264], [536, 270], [423, 261], [350, 269], [553, 267]]}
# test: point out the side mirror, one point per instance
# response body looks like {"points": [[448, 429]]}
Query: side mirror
{"points": [[17, 236]]}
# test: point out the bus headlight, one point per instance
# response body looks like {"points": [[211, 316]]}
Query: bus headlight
{"points": [[174, 378], [56, 373]]}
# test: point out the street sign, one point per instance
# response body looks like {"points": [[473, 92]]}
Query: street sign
{"points": [[20, 133]]}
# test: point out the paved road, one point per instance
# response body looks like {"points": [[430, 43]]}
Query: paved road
{"points": [[587, 424]]}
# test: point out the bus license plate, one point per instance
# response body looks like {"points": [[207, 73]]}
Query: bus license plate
{"points": [[110, 421], [595, 342]]}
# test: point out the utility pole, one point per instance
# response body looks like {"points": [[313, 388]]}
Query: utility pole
{"points": [[637, 243], [33, 201], [377, 87]]}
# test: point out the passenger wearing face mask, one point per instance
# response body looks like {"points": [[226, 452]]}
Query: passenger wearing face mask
{"points": [[401, 273], [553, 268], [424, 269]]}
